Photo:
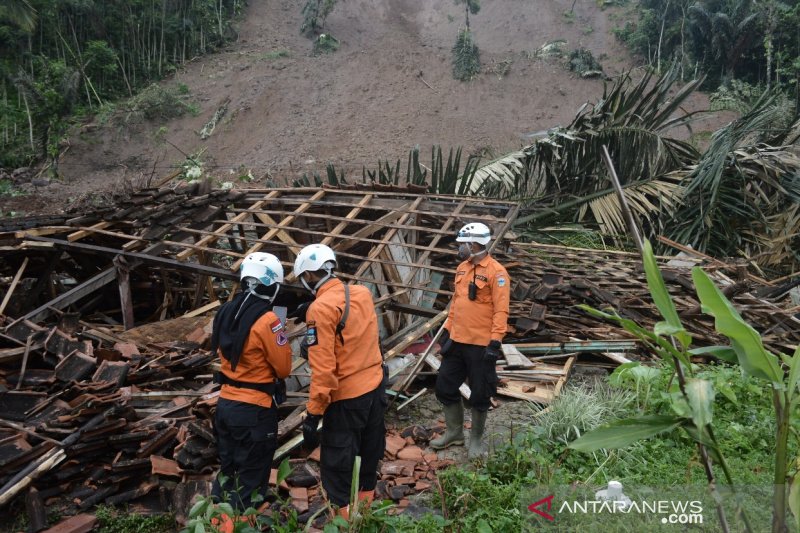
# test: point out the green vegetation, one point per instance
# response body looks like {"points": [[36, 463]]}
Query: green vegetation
{"points": [[325, 43], [466, 57], [725, 39], [60, 59], [314, 14], [691, 397], [113, 520]]}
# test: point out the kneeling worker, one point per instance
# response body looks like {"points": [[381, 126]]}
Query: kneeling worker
{"points": [[256, 356], [347, 379]]}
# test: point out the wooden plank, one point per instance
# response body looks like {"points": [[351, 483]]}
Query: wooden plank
{"points": [[222, 230], [286, 222], [80, 234], [281, 234], [563, 380], [125, 296], [414, 335], [10, 291], [204, 309], [514, 358], [73, 295], [350, 216], [377, 250]]}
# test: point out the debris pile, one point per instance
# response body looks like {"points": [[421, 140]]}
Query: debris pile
{"points": [[106, 392]]}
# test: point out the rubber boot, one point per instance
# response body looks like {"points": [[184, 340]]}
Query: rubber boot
{"points": [[454, 436], [477, 447]]}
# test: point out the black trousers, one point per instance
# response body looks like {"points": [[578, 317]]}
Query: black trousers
{"points": [[247, 437], [349, 428], [465, 362]]}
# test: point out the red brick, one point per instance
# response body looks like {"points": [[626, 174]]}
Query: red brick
{"points": [[299, 497], [398, 468], [163, 466], [405, 481], [422, 485], [394, 443], [126, 349], [430, 457], [410, 453]]}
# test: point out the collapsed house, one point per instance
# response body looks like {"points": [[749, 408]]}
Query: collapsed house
{"points": [[106, 381]]}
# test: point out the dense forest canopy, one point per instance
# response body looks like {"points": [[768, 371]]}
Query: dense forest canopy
{"points": [[754, 41], [61, 57]]}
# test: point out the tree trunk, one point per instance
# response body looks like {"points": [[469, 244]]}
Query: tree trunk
{"points": [[661, 37], [30, 118], [466, 12]]}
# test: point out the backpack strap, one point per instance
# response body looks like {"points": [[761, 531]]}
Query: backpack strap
{"points": [[343, 322]]}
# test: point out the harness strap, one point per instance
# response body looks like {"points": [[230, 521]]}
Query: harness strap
{"points": [[222, 379]]}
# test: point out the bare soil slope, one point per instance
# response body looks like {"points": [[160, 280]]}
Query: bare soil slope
{"points": [[287, 115]]}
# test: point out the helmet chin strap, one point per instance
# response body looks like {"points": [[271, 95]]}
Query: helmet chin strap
{"points": [[251, 289], [313, 290]]}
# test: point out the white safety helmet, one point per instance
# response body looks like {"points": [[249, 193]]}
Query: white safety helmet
{"points": [[264, 267], [475, 232], [261, 275], [312, 258]]}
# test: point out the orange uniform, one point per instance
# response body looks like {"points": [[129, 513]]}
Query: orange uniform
{"points": [[484, 319], [346, 367], [266, 357]]}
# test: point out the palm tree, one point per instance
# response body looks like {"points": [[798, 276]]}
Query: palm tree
{"points": [[564, 172], [721, 39]]}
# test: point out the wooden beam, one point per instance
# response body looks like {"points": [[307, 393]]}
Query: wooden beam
{"points": [[73, 295], [222, 230], [283, 224], [80, 234], [10, 291], [376, 251]]}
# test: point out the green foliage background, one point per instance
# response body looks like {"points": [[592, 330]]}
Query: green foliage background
{"points": [[111, 49]]}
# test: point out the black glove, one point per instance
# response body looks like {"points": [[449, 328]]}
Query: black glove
{"points": [[310, 433], [445, 342], [280, 392], [299, 312], [492, 353], [304, 348]]}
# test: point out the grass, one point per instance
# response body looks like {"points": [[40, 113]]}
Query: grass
{"points": [[494, 496], [7, 188], [114, 520]]}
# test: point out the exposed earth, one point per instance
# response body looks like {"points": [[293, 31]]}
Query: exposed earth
{"points": [[388, 88]]}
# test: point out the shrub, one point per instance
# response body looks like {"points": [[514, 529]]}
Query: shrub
{"points": [[325, 44]]}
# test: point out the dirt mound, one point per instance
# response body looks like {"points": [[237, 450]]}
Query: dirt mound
{"points": [[388, 88]]}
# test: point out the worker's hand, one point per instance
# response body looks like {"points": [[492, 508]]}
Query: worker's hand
{"points": [[310, 433], [492, 353], [299, 312], [445, 342]]}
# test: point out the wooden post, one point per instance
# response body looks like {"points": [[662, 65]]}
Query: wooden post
{"points": [[125, 296], [13, 285]]}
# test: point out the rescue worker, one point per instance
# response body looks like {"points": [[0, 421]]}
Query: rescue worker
{"points": [[347, 378], [471, 338], [255, 355]]}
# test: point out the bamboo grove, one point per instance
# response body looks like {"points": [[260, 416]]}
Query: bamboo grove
{"points": [[58, 57]]}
